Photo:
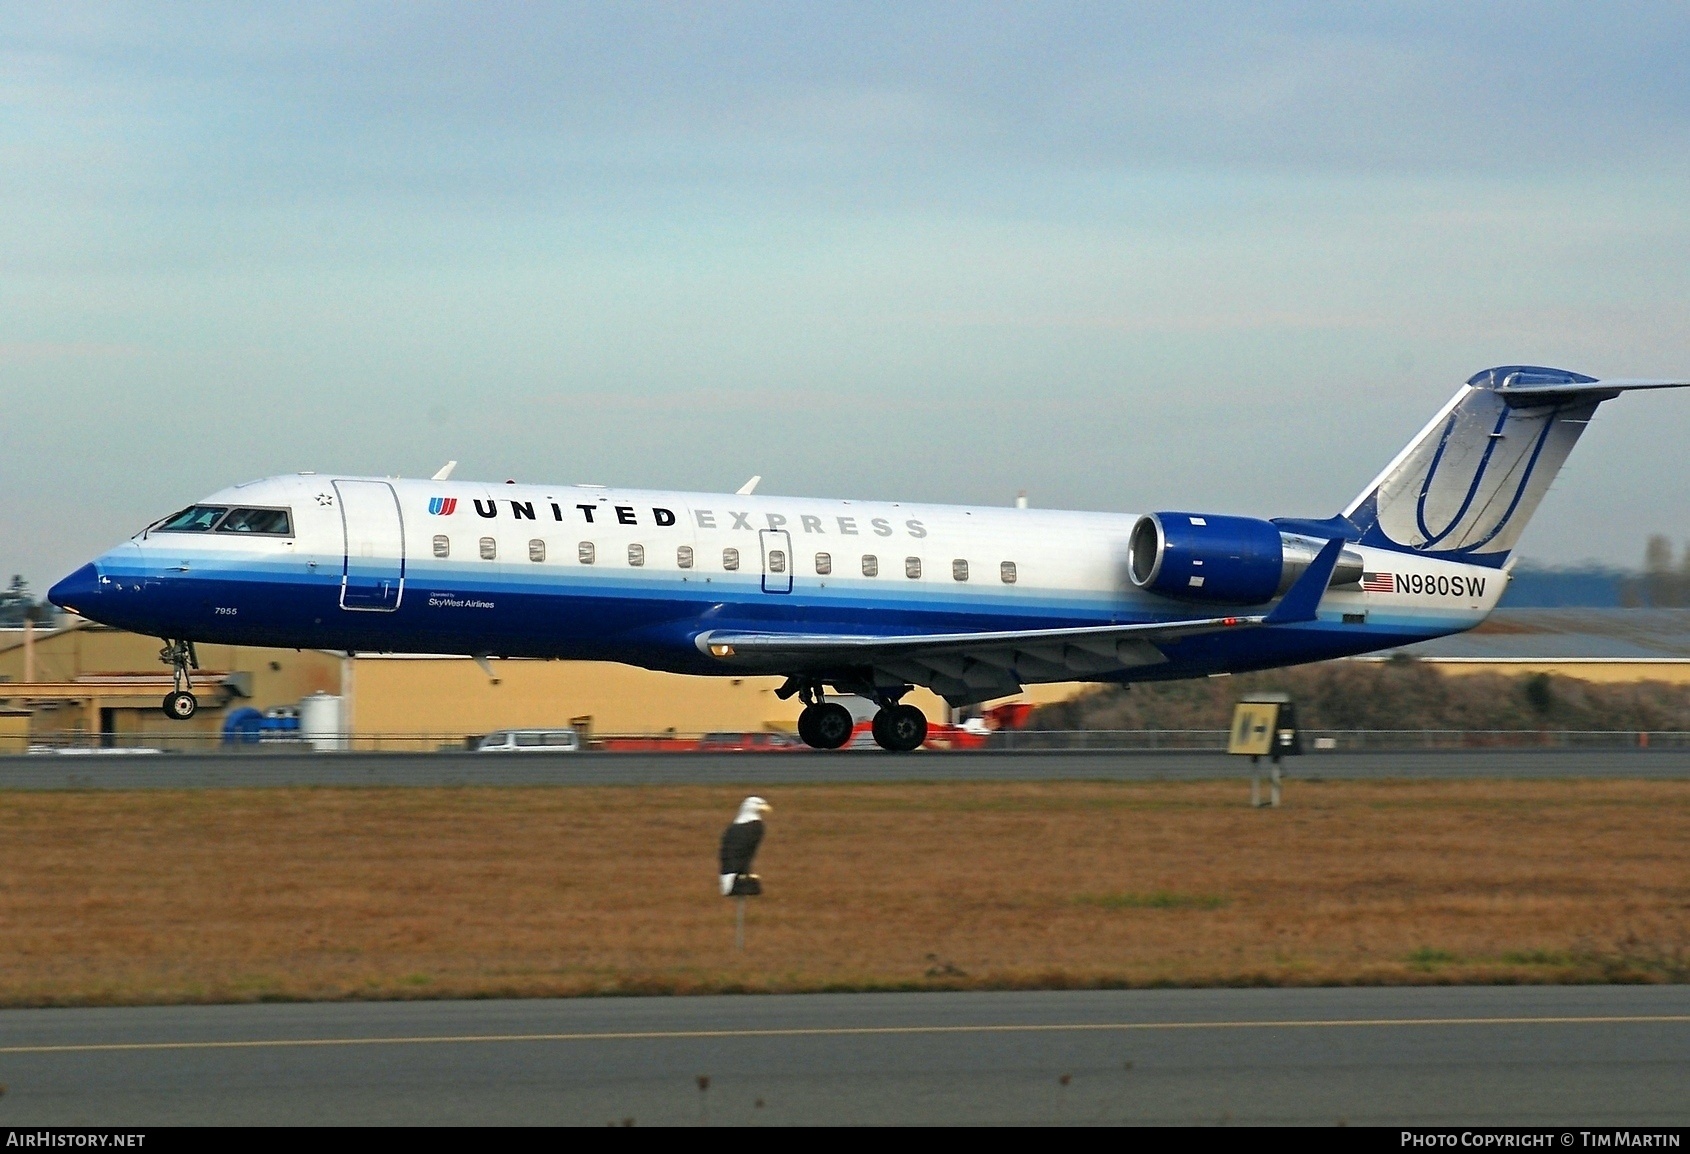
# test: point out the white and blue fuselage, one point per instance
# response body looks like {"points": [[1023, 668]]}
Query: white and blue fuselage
{"points": [[638, 575], [869, 596]]}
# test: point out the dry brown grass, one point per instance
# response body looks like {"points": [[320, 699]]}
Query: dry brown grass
{"points": [[233, 895]]}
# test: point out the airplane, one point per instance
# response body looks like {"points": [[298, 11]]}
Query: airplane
{"points": [[870, 598]]}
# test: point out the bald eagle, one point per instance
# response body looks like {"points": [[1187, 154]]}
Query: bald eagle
{"points": [[739, 845]]}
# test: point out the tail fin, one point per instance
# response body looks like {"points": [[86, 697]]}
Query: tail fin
{"points": [[1464, 488]]}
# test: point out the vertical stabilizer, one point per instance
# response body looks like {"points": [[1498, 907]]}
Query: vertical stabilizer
{"points": [[1464, 488]]}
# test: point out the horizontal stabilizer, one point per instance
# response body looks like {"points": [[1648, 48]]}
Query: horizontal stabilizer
{"points": [[1594, 390]]}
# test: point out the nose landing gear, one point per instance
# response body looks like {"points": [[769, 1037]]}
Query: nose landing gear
{"points": [[180, 704]]}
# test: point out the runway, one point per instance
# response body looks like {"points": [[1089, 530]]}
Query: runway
{"points": [[251, 770], [240, 771], [1555, 1056]]}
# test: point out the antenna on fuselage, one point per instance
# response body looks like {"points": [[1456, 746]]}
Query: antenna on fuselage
{"points": [[445, 472], [749, 487]]}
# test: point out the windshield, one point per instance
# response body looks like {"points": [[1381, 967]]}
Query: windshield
{"points": [[193, 519], [269, 522]]}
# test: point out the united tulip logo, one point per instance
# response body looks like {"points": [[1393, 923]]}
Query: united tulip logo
{"points": [[442, 506]]}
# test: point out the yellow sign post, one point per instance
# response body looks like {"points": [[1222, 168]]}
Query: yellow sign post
{"points": [[1264, 725], [1253, 727]]}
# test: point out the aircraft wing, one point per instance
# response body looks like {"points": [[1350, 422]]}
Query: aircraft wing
{"points": [[969, 667]]}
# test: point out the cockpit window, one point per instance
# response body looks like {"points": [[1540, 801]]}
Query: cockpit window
{"points": [[193, 519], [268, 522]]}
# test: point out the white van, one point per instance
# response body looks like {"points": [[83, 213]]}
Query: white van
{"points": [[531, 741]]}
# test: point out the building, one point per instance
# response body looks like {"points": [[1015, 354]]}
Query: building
{"points": [[89, 683], [83, 679]]}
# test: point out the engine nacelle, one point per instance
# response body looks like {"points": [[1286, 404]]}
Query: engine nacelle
{"points": [[1227, 560]]}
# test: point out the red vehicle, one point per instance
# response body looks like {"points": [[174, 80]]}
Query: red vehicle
{"points": [[749, 743]]}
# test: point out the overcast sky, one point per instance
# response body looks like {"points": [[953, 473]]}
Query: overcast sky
{"points": [[1124, 257]]}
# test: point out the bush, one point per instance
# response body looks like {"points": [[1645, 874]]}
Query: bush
{"points": [[1400, 693]]}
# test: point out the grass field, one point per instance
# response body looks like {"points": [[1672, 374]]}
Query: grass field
{"points": [[251, 894]]}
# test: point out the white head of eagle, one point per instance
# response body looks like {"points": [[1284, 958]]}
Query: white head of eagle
{"points": [[740, 841]]}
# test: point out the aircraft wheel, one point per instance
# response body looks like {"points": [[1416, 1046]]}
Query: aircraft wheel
{"points": [[831, 726], [900, 728], [807, 727], [180, 706]]}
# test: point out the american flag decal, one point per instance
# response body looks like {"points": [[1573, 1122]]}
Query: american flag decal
{"points": [[1379, 582]]}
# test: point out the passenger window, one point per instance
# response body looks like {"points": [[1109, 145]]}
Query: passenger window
{"points": [[871, 565], [683, 556], [824, 564], [1007, 572], [777, 560], [912, 567], [730, 559], [193, 519], [527, 740], [442, 545], [536, 550], [636, 555], [489, 549], [959, 569], [585, 552], [267, 522]]}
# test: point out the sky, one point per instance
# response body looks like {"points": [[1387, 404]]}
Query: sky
{"points": [[1123, 257]]}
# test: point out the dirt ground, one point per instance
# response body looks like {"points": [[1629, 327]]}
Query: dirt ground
{"points": [[109, 897]]}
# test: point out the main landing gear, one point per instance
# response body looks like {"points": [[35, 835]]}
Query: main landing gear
{"points": [[825, 725], [828, 725], [900, 728], [180, 704]]}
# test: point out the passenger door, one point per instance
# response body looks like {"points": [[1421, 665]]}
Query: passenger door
{"points": [[777, 560], [372, 575]]}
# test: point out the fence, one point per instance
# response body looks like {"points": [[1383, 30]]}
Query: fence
{"points": [[1019, 741], [1325, 740]]}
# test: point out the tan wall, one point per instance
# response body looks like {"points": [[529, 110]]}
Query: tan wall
{"points": [[14, 731], [452, 696]]}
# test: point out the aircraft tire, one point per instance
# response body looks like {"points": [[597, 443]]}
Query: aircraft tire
{"points": [[807, 727], [180, 706], [900, 728], [832, 725]]}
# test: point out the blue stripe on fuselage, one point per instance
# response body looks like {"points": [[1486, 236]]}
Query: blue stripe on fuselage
{"points": [[652, 618]]}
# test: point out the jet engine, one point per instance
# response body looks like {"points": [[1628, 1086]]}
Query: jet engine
{"points": [[1227, 560]]}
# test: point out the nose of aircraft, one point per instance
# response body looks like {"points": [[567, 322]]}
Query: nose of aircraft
{"points": [[78, 591]]}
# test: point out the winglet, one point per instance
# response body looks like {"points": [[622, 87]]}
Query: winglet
{"points": [[749, 487], [1303, 598], [445, 471]]}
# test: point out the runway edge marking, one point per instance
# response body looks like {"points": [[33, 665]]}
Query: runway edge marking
{"points": [[842, 1032]]}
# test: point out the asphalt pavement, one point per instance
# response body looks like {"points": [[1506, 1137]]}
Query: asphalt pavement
{"points": [[242, 770], [1564, 1057]]}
